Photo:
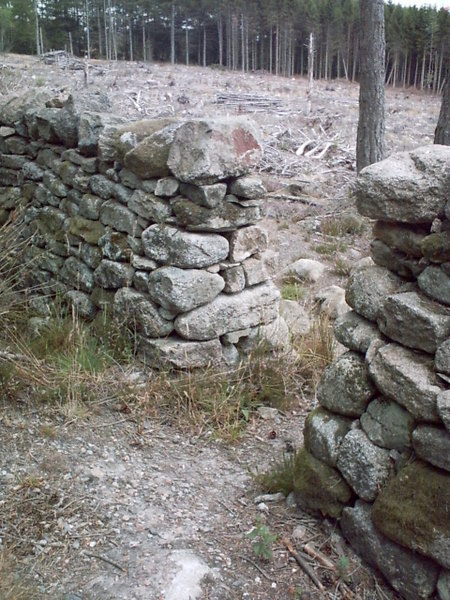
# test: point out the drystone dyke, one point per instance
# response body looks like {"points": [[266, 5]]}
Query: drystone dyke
{"points": [[153, 220], [377, 449]]}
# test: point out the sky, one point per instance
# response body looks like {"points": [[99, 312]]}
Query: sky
{"points": [[438, 3]]}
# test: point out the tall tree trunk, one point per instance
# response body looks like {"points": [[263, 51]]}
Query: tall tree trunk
{"points": [[144, 43], [36, 19], [442, 133], [310, 72], [172, 34], [186, 36], [220, 36], [99, 29], [88, 34], [370, 144], [204, 45], [131, 40]]}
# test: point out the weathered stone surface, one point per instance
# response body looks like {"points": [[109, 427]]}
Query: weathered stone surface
{"points": [[443, 585], [90, 206], [150, 207], [227, 216], [141, 314], [409, 574], [94, 128], [248, 186], [143, 264], [86, 229], [149, 158], [207, 151], [119, 217], [367, 289], [387, 424], [250, 308], [103, 299], [171, 246], [443, 407], [67, 171], [13, 161], [435, 283], [234, 279], [403, 237], [365, 467], [113, 275], [8, 177], [305, 269], [318, 487], [58, 126], [355, 332], [408, 187], [181, 290], [55, 185], [89, 165], [414, 321], [91, 255], [101, 186], [77, 274], [330, 301], [395, 261], [296, 317], [181, 354], [436, 247], [114, 246], [81, 304], [345, 387], [167, 187], [415, 498], [432, 444], [323, 434], [407, 377], [246, 242], [254, 271], [204, 195]]}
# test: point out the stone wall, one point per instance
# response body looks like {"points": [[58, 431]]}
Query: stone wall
{"points": [[378, 446], [153, 219]]}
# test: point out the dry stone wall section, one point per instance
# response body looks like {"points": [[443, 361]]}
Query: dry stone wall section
{"points": [[381, 432], [155, 220]]}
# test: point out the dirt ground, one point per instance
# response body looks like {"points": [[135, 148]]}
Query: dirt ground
{"points": [[102, 507]]}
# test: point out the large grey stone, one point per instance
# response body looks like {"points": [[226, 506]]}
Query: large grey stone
{"points": [[433, 445], [355, 332], [367, 289], [114, 246], [77, 274], [408, 187], [443, 585], [345, 387], [181, 354], [140, 314], [403, 237], [443, 407], [181, 290], [365, 466], [305, 269], [58, 126], [435, 283], [90, 206], [250, 308], [234, 278], [167, 187], [248, 186], [246, 242], [205, 195], [94, 132], [170, 246], [296, 317], [436, 247], [330, 301], [414, 321], [206, 151], [408, 377], [149, 157], [324, 433], [150, 207], [227, 216], [119, 217], [88, 230], [81, 304], [387, 424], [113, 275], [412, 510], [396, 261], [410, 575], [255, 271]]}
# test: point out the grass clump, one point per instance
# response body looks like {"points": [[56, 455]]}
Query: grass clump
{"points": [[13, 583], [292, 291], [340, 226], [280, 478]]}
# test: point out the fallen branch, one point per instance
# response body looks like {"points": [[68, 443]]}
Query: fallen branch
{"points": [[324, 560], [106, 560], [303, 564], [252, 562]]}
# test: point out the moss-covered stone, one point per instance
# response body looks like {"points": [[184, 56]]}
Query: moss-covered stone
{"points": [[318, 487], [89, 231], [413, 511], [436, 247]]}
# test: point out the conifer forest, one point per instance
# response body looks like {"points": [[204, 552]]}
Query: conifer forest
{"points": [[269, 35]]}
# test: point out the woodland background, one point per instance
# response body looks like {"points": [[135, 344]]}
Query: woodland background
{"points": [[269, 35]]}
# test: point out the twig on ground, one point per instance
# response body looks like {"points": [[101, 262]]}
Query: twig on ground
{"points": [[106, 560], [252, 562], [303, 564]]}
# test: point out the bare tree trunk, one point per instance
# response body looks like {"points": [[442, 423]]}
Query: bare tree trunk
{"points": [[370, 144], [36, 18], [270, 50], [172, 35], [186, 38], [88, 34], [107, 44], [442, 133], [310, 72], [220, 35], [99, 29], [242, 43], [131, 40], [204, 46], [70, 44], [144, 48]]}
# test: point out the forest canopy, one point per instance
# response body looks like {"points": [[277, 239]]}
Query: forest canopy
{"points": [[270, 35]]}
